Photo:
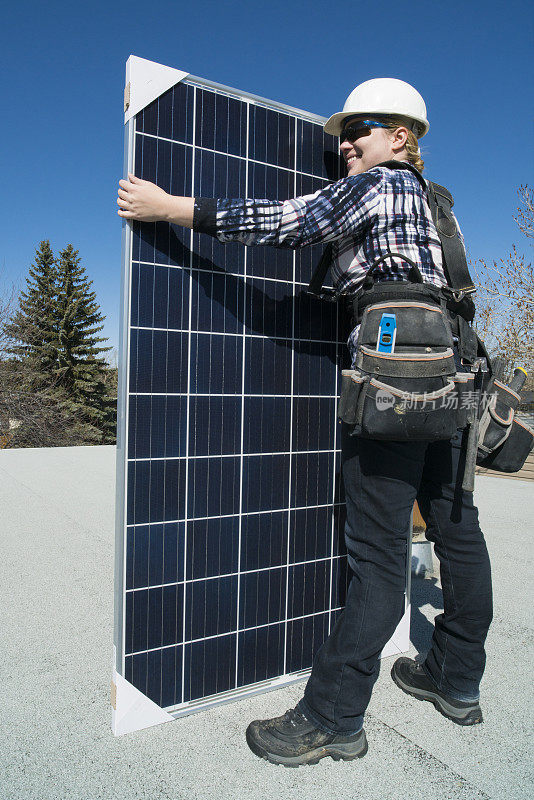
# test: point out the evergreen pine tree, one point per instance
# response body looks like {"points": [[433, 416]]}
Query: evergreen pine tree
{"points": [[34, 327], [58, 378], [30, 411], [81, 370]]}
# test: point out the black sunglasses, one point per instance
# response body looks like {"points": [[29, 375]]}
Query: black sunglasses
{"points": [[355, 129]]}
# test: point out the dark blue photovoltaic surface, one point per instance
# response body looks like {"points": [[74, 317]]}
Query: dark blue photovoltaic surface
{"points": [[235, 565]]}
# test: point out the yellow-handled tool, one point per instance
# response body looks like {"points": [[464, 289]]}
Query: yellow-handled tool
{"points": [[518, 379]]}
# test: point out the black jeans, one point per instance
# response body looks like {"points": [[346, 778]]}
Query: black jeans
{"points": [[382, 480]]}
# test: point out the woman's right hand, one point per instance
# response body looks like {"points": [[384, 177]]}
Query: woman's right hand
{"points": [[146, 202], [142, 200]]}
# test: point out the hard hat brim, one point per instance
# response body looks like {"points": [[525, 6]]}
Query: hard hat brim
{"points": [[334, 125]]}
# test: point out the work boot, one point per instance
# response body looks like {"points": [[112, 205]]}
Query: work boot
{"points": [[293, 740], [412, 679]]}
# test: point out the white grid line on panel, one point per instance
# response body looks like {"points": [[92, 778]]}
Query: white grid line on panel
{"points": [[165, 423], [231, 633], [288, 545], [225, 273], [242, 432], [241, 158], [186, 279], [237, 335], [186, 499], [234, 574], [227, 516], [234, 455], [234, 394], [151, 385]]}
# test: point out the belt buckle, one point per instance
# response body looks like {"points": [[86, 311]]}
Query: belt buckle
{"points": [[325, 294]]}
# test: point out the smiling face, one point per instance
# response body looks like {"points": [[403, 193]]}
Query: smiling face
{"points": [[371, 147]]}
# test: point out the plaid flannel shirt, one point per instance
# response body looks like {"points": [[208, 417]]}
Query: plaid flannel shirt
{"points": [[364, 216]]}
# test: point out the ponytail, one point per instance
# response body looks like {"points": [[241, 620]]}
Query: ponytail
{"points": [[414, 154], [412, 145]]}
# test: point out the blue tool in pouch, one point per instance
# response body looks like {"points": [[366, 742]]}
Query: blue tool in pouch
{"points": [[387, 332]]}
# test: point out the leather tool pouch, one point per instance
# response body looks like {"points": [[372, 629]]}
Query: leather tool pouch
{"points": [[413, 393], [504, 441], [513, 452]]}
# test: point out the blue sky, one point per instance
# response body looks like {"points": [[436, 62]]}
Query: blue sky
{"points": [[63, 78]]}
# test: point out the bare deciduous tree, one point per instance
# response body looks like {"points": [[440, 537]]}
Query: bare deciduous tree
{"points": [[505, 304], [525, 213], [7, 307]]}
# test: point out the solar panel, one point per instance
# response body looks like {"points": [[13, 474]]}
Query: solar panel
{"points": [[230, 566]]}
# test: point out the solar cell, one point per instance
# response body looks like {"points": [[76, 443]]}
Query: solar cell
{"points": [[230, 565]]}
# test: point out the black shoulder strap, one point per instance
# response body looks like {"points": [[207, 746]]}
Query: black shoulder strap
{"points": [[405, 165], [454, 259], [319, 274]]}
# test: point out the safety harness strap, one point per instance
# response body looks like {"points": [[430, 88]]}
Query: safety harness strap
{"points": [[455, 262], [319, 274]]}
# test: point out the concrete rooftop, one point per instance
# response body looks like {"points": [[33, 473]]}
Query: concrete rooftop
{"points": [[56, 587]]}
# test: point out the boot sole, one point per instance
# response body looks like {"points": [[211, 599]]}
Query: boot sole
{"points": [[471, 717], [338, 752]]}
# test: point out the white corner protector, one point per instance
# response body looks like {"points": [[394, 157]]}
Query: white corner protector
{"points": [[131, 709], [400, 641], [146, 80]]}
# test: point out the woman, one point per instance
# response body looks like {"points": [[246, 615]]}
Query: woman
{"points": [[372, 211]]}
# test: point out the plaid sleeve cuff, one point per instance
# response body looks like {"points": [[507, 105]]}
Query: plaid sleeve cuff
{"points": [[205, 215]]}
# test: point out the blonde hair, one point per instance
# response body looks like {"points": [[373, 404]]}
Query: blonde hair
{"points": [[412, 145]]}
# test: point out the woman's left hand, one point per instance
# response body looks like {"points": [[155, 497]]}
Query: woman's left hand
{"points": [[142, 200]]}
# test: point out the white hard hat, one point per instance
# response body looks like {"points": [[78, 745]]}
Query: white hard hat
{"points": [[388, 96]]}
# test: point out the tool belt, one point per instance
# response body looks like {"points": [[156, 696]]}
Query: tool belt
{"points": [[420, 390], [415, 392]]}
